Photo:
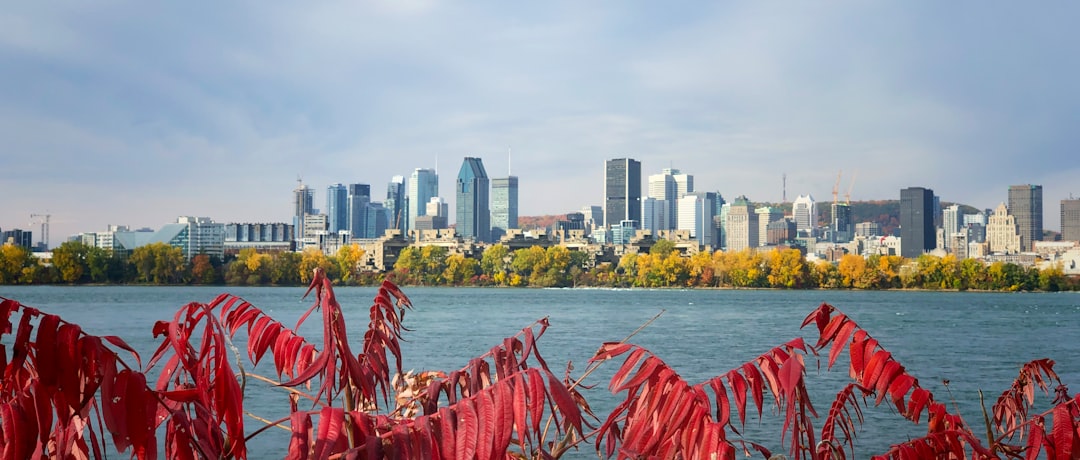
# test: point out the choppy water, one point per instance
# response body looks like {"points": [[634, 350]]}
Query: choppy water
{"points": [[975, 340]]}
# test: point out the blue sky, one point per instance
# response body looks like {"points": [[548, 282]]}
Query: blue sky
{"points": [[132, 113]]}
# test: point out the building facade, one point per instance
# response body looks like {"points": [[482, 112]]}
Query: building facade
{"points": [[1026, 204], [504, 205], [669, 186], [741, 229], [423, 185], [303, 204], [473, 204], [622, 190], [917, 233], [337, 207], [696, 211], [359, 198], [1002, 235], [1070, 220], [766, 215], [804, 211], [395, 203]]}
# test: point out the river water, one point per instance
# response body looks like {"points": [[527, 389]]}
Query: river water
{"points": [[974, 340]]}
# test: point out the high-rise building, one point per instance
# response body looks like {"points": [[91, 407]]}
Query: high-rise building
{"points": [[622, 190], [669, 186], [842, 225], [1026, 203], [395, 203], [423, 184], [473, 204], [742, 225], [1070, 220], [337, 208], [766, 215], [1001, 233], [594, 216], [804, 211], [303, 204], [916, 221], [438, 207], [654, 214], [951, 223], [359, 198], [696, 212], [504, 205]]}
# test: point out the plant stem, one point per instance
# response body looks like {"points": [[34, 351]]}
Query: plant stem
{"points": [[593, 366]]}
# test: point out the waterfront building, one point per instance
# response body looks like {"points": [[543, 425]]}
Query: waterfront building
{"points": [[1026, 204], [804, 211], [473, 204], [192, 235], [395, 203], [1002, 233], [303, 204], [264, 237], [742, 225], [337, 207], [622, 191], [765, 216], [423, 184], [1070, 220], [916, 221], [504, 205], [17, 237]]}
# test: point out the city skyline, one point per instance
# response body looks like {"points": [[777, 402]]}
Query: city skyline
{"points": [[133, 114]]}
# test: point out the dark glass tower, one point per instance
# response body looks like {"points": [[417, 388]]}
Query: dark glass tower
{"points": [[1026, 204], [917, 233], [473, 205], [395, 203], [337, 208], [359, 197], [622, 191], [504, 205]]}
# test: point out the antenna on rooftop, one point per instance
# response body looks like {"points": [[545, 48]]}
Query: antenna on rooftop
{"points": [[784, 178], [508, 158]]}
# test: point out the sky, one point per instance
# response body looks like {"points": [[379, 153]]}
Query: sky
{"points": [[134, 113]]}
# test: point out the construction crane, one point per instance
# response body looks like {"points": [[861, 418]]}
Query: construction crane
{"points": [[836, 188], [847, 196], [44, 219]]}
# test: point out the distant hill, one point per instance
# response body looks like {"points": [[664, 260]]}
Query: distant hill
{"points": [[531, 222]]}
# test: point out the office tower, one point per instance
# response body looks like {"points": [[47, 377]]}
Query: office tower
{"points": [[916, 221], [395, 202], [766, 215], [977, 218], [376, 220], [423, 184], [1070, 220], [950, 222], [653, 215], [359, 197], [473, 205], [504, 205], [742, 225], [337, 208], [804, 211], [1026, 203], [622, 190], [438, 207], [696, 212], [868, 229], [669, 186], [842, 225], [303, 204], [1002, 233]]}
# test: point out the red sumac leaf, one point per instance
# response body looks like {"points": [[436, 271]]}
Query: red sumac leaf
{"points": [[466, 430], [1063, 433]]}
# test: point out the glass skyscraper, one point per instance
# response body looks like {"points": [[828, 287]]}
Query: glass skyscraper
{"points": [[917, 233], [1026, 204], [504, 205], [423, 186], [337, 208], [395, 202], [473, 205], [622, 190]]}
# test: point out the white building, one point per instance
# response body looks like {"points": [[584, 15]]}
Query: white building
{"points": [[804, 211], [765, 216], [1002, 234]]}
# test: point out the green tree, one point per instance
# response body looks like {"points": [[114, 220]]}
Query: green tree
{"points": [[460, 269], [313, 258], [285, 268], [158, 263], [70, 260], [493, 263], [348, 259], [13, 259], [662, 248]]}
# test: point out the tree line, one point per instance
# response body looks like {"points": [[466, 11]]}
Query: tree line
{"points": [[76, 263]]}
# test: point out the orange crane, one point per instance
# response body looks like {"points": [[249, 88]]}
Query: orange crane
{"points": [[836, 187], [847, 196]]}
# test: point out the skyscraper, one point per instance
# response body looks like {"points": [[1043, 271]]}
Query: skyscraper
{"points": [[395, 203], [741, 230], [337, 208], [1025, 202], [916, 221], [842, 226], [473, 210], [1070, 220], [359, 197], [504, 205], [622, 190], [423, 185], [303, 204], [804, 210], [951, 223], [1001, 232], [696, 213], [667, 188]]}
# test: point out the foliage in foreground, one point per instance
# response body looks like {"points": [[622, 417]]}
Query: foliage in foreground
{"points": [[64, 391]]}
